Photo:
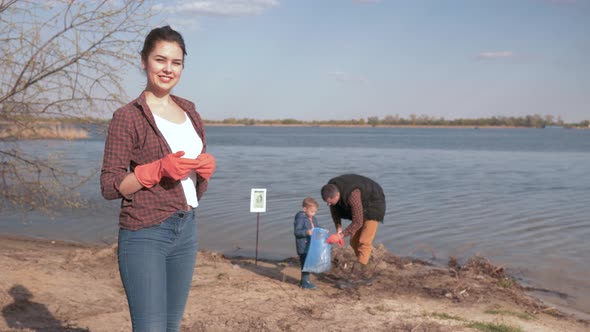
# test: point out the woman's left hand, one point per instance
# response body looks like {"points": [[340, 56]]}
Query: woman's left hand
{"points": [[207, 166]]}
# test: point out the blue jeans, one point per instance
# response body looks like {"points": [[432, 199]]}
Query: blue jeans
{"points": [[156, 266]]}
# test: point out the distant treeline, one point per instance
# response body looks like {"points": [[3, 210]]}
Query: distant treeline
{"points": [[529, 121]]}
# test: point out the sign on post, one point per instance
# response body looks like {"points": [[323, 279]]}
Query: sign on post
{"points": [[257, 204], [258, 200]]}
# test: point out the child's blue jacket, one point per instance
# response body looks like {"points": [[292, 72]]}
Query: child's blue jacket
{"points": [[302, 225]]}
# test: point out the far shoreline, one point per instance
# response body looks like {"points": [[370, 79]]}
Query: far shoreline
{"points": [[72, 129], [279, 125], [214, 124]]}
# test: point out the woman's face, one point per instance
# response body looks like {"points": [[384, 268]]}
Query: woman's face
{"points": [[163, 67]]}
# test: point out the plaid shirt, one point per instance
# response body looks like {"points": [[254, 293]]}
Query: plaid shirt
{"points": [[356, 207], [134, 139]]}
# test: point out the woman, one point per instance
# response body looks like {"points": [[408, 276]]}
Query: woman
{"points": [[160, 138]]}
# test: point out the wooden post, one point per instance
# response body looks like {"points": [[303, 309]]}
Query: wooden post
{"points": [[257, 227]]}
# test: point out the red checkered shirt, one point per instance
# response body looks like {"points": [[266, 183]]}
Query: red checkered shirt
{"points": [[356, 206], [134, 139]]}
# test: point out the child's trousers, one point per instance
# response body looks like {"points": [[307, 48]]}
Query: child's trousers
{"points": [[304, 275]]}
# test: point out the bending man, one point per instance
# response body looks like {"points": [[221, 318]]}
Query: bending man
{"points": [[361, 200]]}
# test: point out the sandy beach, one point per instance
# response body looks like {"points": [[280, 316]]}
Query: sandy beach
{"points": [[55, 286]]}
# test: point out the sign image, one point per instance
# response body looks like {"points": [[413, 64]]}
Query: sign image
{"points": [[258, 200]]}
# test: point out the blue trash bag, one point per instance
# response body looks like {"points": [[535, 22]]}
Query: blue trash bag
{"points": [[318, 256]]}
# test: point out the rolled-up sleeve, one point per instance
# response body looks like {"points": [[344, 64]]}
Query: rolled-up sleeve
{"points": [[356, 207], [117, 155]]}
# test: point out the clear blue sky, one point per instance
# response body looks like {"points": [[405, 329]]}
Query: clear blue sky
{"points": [[347, 59]]}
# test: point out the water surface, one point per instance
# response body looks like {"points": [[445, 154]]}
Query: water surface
{"points": [[517, 196]]}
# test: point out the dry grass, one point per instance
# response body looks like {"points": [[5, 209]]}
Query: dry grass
{"points": [[43, 131]]}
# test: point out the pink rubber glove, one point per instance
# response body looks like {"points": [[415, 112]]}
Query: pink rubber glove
{"points": [[335, 238], [171, 166], [207, 165]]}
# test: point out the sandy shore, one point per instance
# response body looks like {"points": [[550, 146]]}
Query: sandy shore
{"points": [[53, 286]]}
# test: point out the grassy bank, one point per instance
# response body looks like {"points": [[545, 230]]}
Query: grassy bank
{"points": [[42, 130]]}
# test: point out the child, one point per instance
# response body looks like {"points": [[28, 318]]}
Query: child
{"points": [[305, 221]]}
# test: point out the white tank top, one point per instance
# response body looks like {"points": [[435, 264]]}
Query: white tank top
{"points": [[183, 137]]}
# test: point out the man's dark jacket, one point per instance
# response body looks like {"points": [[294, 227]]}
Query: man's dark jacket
{"points": [[372, 196]]}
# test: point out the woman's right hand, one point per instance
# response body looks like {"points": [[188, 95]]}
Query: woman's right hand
{"points": [[172, 166]]}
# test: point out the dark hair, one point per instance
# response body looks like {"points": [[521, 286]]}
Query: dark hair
{"points": [[165, 33], [329, 191]]}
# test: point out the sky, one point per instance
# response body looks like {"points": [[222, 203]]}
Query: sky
{"points": [[351, 59]]}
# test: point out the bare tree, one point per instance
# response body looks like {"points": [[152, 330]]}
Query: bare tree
{"points": [[60, 58]]}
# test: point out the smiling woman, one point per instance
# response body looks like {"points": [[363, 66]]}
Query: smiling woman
{"points": [[155, 162]]}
